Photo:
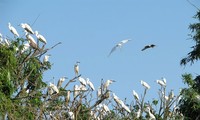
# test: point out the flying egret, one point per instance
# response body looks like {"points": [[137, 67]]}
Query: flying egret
{"points": [[27, 28], [152, 117], [13, 30], [46, 58], [76, 68], [119, 45], [108, 82], [82, 81], [40, 37], [145, 84], [31, 41], [60, 81], [90, 84], [54, 87], [135, 95], [148, 46]]}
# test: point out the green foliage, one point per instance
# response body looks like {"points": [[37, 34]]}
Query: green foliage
{"points": [[194, 55]]}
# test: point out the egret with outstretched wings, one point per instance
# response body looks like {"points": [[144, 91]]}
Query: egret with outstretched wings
{"points": [[119, 45]]}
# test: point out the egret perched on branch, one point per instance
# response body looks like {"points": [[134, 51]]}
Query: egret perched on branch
{"points": [[152, 117], [13, 30], [40, 37], [148, 46], [108, 82], [31, 41], [60, 81], [46, 58], [76, 90], [54, 87], [160, 82], [26, 46], [145, 84], [76, 68], [90, 84], [27, 28], [135, 95], [119, 45], [82, 81]]}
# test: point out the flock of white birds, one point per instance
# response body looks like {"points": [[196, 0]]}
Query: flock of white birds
{"points": [[54, 89]]}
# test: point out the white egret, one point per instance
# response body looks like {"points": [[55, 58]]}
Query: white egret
{"points": [[71, 115], [90, 84], [160, 82], [27, 28], [60, 81], [7, 42], [108, 82], [76, 68], [13, 30], [76, 90], [46, 58], [164, 80], [67, 98], [152, 117], [99, 92], [49, 91], [138, 113], [82, 81], [40, 37], [1, 38], [148, 46], [26, 46], [105, 108], [119, 45], [135, 95], [120, 102], [31, 41], [171, 94], [145, 84], [54, 87]]}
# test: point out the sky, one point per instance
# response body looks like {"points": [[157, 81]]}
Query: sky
{"points": [[89, 29]]}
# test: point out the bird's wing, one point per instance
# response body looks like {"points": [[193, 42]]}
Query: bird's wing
{"points": [[145, 47], [113, 49], [125, 41]]}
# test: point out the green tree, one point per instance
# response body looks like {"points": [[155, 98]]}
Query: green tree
{"points": [[189, 103]]}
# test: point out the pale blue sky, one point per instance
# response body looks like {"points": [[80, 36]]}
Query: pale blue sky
{"points": [[88, 29]]}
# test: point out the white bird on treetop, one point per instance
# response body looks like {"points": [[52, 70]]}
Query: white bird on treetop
{"points": [[27, 28], [54, 87], [108, 82], [60, 81], [76, 90], [90, 84], [82, 81], [76, 68], [26, 46], [40, 37], [145, 84], [31, 41], [119, 45], [135, 95], [160, 82], [46, 58], [152, 117], [13, 30]]}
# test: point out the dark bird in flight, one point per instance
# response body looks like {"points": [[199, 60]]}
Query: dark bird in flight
{"points": [[148, 46], [119, 45]]}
